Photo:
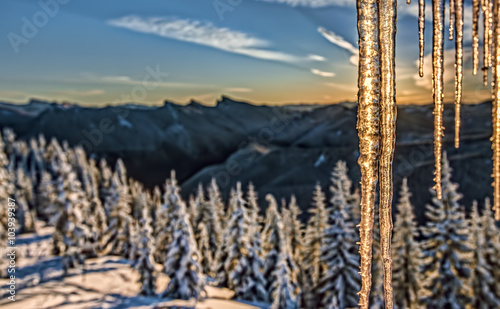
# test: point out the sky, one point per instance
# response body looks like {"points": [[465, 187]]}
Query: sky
{"points": [[100, 52]]}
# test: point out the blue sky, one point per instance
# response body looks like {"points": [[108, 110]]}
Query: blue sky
{"points": [[97, 52]]}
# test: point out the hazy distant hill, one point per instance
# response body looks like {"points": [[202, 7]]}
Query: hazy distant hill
{"points": [[283, 150]]}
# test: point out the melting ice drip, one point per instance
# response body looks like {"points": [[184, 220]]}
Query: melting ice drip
{"points": [[377, 108]]}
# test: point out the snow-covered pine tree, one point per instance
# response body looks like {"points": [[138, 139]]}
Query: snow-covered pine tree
{"points": [[173, 208], [491, 243], [138, 199], [483, 282], [181, 262], [447, 255], [144, 262], [311, 257], [248, 281], [121, 172], [284, 295], [406, 253], [117, 239], [46, 195], [208, 215], [154, 208], [377, 286], [253, 205], [276, 248], [207, 260], [23, 193], [71, 235], [105, 178], [353, 199], [97, 219], [196, 205], [293, 229], [230, 257], [339, 281], [253, 283], [215, 200]]}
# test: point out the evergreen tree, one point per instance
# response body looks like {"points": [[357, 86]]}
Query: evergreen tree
{"points": [[181, 262], [406, 254], [231, 255], [293, 229], [253, 205], [207, 259], [252, 285], [215, 200], [144, 262], [339, 280], [104, 181], [311, 258], [276, 248], [138, 199], [491, 247], [154, 209], [446, 251], [172, 209], [117, 239], [284, 292], [71, 235], [377, 286], [97, 219], [121, 172], [353, 199], [483, 281], [25, 215], [46, 195], [208, 215]]}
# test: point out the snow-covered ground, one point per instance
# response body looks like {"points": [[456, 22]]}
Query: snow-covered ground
{"points": [[106, 282]]}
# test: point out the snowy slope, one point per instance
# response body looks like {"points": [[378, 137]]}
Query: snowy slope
{"points": [[106, 282]]}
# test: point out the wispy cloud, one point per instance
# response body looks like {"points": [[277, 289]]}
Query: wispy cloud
{"points": [[342, 43], [316, 57], [82, 93], [203, 33], [322, 73], [127, 80], [313, 3], [239, 90]]}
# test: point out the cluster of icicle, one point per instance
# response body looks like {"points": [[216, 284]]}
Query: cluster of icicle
{"points": [[377, 108], [489, 10]]}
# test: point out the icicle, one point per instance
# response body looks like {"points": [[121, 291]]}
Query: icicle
{"points": [[475, 36], [368, 133], [459, 71], [437, 86], [496, 112], [485, 5], [490, 36], [452, 18], [421, 29], [387, 40]]}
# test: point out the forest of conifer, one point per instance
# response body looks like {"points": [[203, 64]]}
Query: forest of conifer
{"points": [[265, 256]]}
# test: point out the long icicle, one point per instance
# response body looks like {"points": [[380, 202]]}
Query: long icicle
{"points": [[368, 133], [452, 18], [437, 87], [459, 70], [496, 111], [421, 30], [486, 39], [387, 10], [490, 36], [475, 36]]}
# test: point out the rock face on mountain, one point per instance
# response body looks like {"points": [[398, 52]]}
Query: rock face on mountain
{"points": [[283, 150]]}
